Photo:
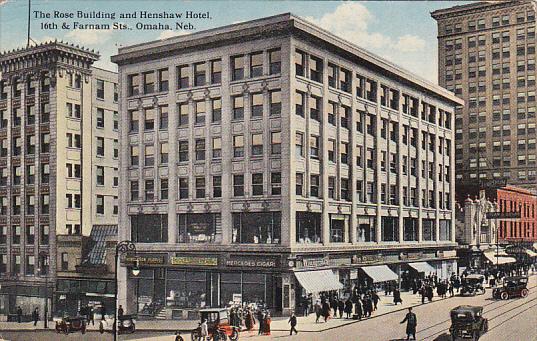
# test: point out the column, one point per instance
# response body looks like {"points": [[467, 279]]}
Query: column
{"points": [[173, 117]]}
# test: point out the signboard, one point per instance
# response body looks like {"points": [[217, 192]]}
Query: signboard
{"points": [[366, 259], [252, 262], [237, 299], [194, 261], [503, 215], [411, 255], [493, 183], [353, 274], [145, 260], [315, 262]]}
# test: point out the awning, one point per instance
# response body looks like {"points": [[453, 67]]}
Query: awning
{"points": [[531, 253], [317, 281], [423, 267], [499, 260], [380, 273], [535, 246]]}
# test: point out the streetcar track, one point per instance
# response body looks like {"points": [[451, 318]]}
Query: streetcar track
{"points": [[484, 312]]}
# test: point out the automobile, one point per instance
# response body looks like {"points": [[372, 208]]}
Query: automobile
{"points": [[218, 325], [467, 322], [516, 286], [473, 285], [126, 324], [68, 325]]}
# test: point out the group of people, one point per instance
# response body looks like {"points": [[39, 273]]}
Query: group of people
{"points": [[249, 317], [35, 315]]}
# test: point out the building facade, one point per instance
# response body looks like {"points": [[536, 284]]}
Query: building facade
{"points": [[57, 170], [523, 230], [267, 159], [486, 56]]}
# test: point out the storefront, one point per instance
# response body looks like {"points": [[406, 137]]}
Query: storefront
{"points": [[72, 295], [28, 297]]}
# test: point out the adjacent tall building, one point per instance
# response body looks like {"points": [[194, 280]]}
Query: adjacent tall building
{"points": [[486, 56], [269, 159], [59, 153]]}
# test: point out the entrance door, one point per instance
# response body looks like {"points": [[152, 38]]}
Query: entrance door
{"points": [[159, 288]]}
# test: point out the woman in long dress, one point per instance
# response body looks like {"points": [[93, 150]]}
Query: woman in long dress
{"points": [[268, 320]]}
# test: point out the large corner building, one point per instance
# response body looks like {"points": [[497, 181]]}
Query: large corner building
{"points": [[59, 157], [267, 159]]}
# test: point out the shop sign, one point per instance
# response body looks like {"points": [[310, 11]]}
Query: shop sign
{"points": [[353, 274], [249, 262], [515, 250], [366, 259], [237, 299], [145, 260], [194, 261], [315, 262], [411, 255]]}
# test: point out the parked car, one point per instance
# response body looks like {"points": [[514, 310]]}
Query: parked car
{"points": [[467, 322], [473, 284], [516, 286], [126, 324], [218, 325], [68, 325]]}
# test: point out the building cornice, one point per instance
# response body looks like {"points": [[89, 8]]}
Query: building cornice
{"points": [[477, 7]]}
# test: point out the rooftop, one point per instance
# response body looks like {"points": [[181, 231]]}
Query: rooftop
{"points": [[282, 24], [478, 6]]}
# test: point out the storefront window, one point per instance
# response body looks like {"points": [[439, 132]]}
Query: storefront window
{"points": [[337, 228], [390, 230], [186, 289], [429, 232], [308, 227], [252, 288], [256, 227], [198, 227], [410, 229], [445, 229], [366, 230], [149, 228]]}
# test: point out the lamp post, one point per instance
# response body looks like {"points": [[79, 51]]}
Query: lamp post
{"points": [[42, 273], [121, 248]]}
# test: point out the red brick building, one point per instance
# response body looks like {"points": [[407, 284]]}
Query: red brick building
{"points": [[514, 199]]}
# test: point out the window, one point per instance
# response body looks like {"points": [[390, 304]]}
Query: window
{"points": [[149, 190], [308, 227], [316, 69], [257, 105], [149, 228], [300, 62], [238, 185], [257, 144], [135, 153], [332, 74], [238, 107], [30, 175], [344, 152], [237, 68], [200, 112], [45, 172], [315, 105], [100, 176], [133, 84], [183, 188], [275, 61], [197, 228], [200, 149], [133, 120], [238, 146], [200, 187], [345, 189], [116, 120], [275, 142], [164, 153], [30, 115], [257, 184], [100, 89], [299, 189], [17, 117], [30, 204], [331, 150], [183, 76], [366, 229], [345, 78], [275, 102], [183, 114], [150, 116], [100, 204], [217, 148], [30, 144], [256, 64], [199, 74], [17, 174], [299, 103], [389, 229], [45, 142], [314, 185], [276, 183], [216, 104], [344, 113], [314, 146], [216, 71], [299, 145], [217, 186], [256, 228], [100, 146], [337, 228]]}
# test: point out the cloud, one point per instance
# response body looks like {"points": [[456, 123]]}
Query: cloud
{"points": [[169, 33], [3, 2], [89, 37], [352, 21]]}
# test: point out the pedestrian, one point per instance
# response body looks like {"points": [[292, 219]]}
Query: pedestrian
{"points": [[411, 323], [35, 316], [326, 311], [249, 320], [450, 289], [397, 296], [204, 330], [120, 311], [358, 308], [90, 315], [340, 307], [268, 320], [19, 314], [422, 293], [318, 311], [429, 293], [348, 308], [375, 297], [292, 321], [333, 305], [261, 318]]}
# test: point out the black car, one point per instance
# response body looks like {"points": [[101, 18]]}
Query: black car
{"points": [[467, 322], [516, 286]]}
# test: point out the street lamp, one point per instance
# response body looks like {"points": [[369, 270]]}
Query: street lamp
{"points": [[121, 248], [43, 255]]}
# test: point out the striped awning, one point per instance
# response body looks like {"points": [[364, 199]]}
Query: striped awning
{"points": [[380, 273], [423, 267], [318, 281]]}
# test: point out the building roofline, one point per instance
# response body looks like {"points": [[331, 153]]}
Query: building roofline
{"points": [[288, 23], [49, 46], [477, 6]]}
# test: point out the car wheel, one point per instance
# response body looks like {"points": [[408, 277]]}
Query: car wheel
{"points": [[524, 293], [234, 335], [504, 295], [133, 329], [179, 338], [195, 335]]}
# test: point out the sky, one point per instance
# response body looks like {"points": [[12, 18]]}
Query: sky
{"points": [[402, 32]]}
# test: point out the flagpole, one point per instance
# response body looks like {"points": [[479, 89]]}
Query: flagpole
{"points": [[29, 12]]}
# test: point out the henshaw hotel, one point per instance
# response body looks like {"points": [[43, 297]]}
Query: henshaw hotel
{"points": [[268, 159]]}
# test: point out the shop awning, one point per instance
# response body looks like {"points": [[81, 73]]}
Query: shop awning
{"points": [[317, 281], [423, 267], [380, 273], [499, 260], [531, 253]]}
